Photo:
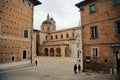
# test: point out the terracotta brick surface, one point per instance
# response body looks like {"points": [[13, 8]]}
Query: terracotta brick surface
{"points": [[107, 13], [15, 16]]}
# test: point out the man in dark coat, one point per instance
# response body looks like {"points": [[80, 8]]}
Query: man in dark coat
{"points": [[75, 68], [79, 68], [36, 62]]}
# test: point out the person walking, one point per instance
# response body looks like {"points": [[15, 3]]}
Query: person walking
{"points": [[75, 68], [79, 68], [36, 62]]}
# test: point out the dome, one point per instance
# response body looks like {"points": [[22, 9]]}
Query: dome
{"points": [[48, 22]]}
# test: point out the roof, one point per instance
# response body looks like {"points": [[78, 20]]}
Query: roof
{"points": [[84, 3], [36, 2]]}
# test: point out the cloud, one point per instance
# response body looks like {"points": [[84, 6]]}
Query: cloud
{"points": [[64, 12]]}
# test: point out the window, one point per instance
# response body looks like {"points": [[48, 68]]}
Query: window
{"points": [[61, 36], [118, 28], [116, 2], [56, 37], [51, 37], [95, 52], [94, 32], [67, 35], [25, 33], [46, 37], [48, 29], [92, 8], [24, 54], [73, 34]]}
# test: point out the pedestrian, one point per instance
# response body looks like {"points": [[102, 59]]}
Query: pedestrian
{"points": [[36, 62], [75, 68], [79, 68]]}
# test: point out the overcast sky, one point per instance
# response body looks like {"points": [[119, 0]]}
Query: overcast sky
{"points": [[64, 12]]}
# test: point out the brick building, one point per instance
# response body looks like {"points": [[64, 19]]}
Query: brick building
{"points": [[100, 21], [58, 43], [16, 27]]}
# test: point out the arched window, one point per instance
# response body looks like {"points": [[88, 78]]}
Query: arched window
{"points": [[46, 37], [67, 35], [61, 36], [56, 36], [51, 37], [73, 34], [48, 29]]}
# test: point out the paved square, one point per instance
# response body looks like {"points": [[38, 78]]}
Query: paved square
{"points": [[52, 68]]}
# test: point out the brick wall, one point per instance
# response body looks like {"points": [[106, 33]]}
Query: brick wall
{"points": [[15, 17], [104, 18]]}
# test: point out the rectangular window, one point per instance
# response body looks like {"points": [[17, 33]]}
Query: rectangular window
{"points": [[116, 2], [118, 28], [24, 54], [95, 52], [92, 8], [25, 33], [94, 32]]}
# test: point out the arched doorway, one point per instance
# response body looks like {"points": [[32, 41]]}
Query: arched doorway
{"points": [[41, 52], [51, 52], [67, 52], [58, 52], [13, 58], [46, 52]]}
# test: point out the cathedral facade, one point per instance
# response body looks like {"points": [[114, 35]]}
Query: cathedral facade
{"points": [[58, 43]]}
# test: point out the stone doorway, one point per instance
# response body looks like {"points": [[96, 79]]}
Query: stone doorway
{"points": [[58, 52], [67, 52], [46, 52], [51, 52]]}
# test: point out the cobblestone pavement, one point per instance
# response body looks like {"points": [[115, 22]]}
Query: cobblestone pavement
{"points": [[51, 68]]}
